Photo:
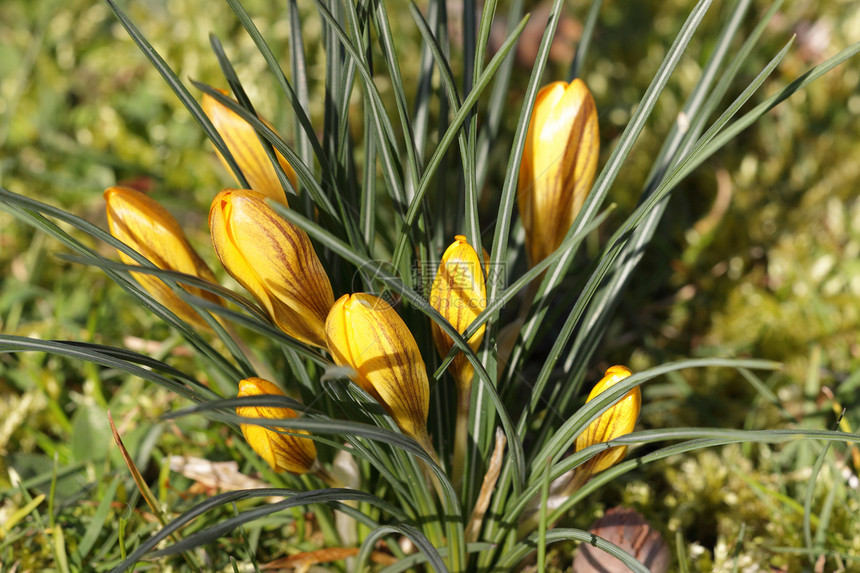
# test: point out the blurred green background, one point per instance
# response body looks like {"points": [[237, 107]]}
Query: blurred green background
{"points": [[759, 254]]}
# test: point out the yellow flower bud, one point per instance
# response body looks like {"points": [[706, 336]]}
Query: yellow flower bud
{"points": [[274, 260], [366, 334], [615, 422], [245, 147], [558, 165], [459, 294], [281, 451], [148, 228]]}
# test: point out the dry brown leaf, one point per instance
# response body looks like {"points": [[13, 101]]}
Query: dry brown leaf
{"points": [[627, 529]]}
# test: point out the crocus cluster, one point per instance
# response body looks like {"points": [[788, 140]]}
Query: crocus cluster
{"points": [[275, 261]]}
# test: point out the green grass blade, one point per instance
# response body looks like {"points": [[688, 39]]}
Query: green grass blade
{"points": [[389, 52], [470, 42], [306, 143], [504, 215], [497, 105], [708, 148], [419, 539], [567, 432], [386, 141], [298, 98], [294, 499], [98, 520], [690, 439], [410, 561], [710, 437], [522, 549], [421, 106], [483, 419], [472, 226], [88, 353], [598, 313], [809, 496]]}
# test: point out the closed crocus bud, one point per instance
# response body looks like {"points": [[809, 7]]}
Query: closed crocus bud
{"points": [[459, 294], [366, 334], [274, 260], [613, 423], [281, 451], [148, 228], [558, 165], [245, 147]]}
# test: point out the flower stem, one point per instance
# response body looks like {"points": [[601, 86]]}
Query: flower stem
{"points": [[461, 433]]}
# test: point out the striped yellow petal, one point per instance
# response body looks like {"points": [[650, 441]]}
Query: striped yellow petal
{"points": [[274, 260], [281, 451], [148, 228], [245, 147]]}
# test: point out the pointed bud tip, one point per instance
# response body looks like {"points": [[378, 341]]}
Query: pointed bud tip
{"points": [[258, 386]]}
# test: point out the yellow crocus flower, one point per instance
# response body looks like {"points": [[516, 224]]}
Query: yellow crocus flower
{"points": [[274, 260], [282, 452], [245, 147], [144, 225], [558, 164], [615, 422], [459, 294], [366, 334]]}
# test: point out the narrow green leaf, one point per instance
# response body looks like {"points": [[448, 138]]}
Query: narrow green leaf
{"points": [[571, 428], [584, 39], [418, 538], [456, 124], [608, 173], [386, 141], [522, 549], [9, 343], [497, 106], [294, 499], [298, 100], [808, 497], [306, 142]]}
